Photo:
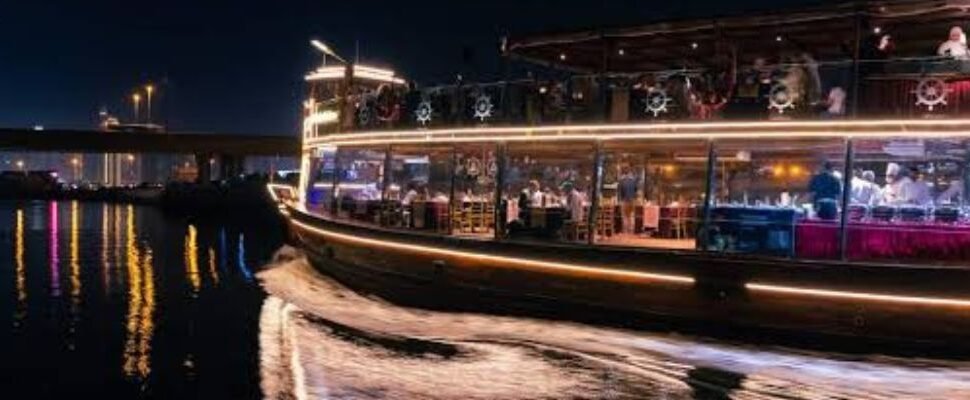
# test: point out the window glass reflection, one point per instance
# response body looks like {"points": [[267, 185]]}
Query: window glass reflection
{"points": [[651, 194], [547, 191], [778, 197], [908, 202], [420, 187], [360, 183]]}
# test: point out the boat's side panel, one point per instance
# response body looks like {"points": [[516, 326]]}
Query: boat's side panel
{"points": [[725, 293]]}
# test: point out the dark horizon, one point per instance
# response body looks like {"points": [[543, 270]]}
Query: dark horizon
{"points": [[238, 66]]}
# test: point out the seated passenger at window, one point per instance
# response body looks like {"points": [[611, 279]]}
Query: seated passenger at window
{"points": [[410, 196], [826, 188], [956, 46]]}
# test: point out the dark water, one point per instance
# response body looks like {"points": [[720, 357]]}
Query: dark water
{"points": [[118, 301], [105, 301]]}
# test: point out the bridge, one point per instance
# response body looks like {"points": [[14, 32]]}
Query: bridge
{"points": [[228, 149]]}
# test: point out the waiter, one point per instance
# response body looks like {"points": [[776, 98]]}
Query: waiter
{"points": [[826, 189]]}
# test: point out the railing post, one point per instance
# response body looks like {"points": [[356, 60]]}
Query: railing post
{"points": [[501, 164], [703, 237], [846, 197], [451, 190], [334, 207], [595, 193], [386, 178]]}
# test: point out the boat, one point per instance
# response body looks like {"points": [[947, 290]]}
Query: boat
{"points": [[797, 172]]}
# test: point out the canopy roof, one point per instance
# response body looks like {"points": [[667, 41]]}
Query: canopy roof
{"points": [[829, 33]]}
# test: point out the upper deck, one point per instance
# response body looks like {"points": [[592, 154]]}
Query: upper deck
{"points": [[851, 61]]}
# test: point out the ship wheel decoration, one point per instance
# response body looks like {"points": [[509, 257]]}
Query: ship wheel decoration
{"points": [[656, 101], [781, 98], [483, 107], [931, 92], [424, 112]]}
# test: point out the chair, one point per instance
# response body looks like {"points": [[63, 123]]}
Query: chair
{"points": [[605, 221]]}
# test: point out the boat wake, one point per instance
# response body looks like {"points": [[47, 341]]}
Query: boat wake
{"points": [[319, 339]]}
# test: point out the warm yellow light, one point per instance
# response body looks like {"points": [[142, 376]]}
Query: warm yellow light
{"points": [[859, 129], [669, 169], [74, 161], [149, 89], [499, 261], [778, 171], [136, 98], [795, 170], [847, 295], [131, 157]]}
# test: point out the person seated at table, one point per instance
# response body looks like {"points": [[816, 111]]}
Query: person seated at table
{"points": [[439, 197], [955, 46], [410, 196], [919, 191], [468, 196], [826, 188], [864, 187], [535, 195], [897, 186]]}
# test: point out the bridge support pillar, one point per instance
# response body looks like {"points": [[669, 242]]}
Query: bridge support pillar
{"points": [[231, 166], [203, 167]]}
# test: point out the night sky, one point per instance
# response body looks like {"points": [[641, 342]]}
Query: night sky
{"points": [[238, 66]]}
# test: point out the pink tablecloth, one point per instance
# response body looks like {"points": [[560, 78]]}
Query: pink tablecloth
{"points": [[898, 241]]}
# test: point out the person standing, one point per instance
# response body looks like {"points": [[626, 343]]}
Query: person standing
{"points": [[628, 196], [826, 188]]}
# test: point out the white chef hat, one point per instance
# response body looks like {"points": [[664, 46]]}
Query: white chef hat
{"points": [[893, 169]]}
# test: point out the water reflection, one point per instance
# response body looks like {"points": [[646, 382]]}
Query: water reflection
{"points": [[321, 340], [53, 256], [113, 319], [140, 324], [20, 271], [192, 259]]}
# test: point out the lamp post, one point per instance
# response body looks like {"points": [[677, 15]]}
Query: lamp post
{"points": [[76, 163], [136, 100], [149, 89], [131, 167], [20, 165]]}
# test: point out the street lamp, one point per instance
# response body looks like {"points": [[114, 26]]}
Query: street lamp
{"points": [[76, 163], [326, 50], [136, 99], [20, 165], [148, 100]]}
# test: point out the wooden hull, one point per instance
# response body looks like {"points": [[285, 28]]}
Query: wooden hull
{"points": [[873, 308]]}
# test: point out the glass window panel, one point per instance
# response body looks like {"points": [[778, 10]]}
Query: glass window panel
{"points": [[778, 197], [419, 192], [547, 191], [652, 193], [323, 164], [908, 203], [360, 182], [473, 211]]}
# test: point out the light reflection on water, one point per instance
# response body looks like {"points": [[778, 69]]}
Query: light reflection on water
{"points": [[110, 301], [321, 340]]}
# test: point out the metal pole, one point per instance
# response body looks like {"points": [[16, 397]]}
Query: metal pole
{"points": [[501, 161], [846, 191], [704, 237], [855, 64], [334, 209], [386, 179], [595, 193], [451, 190]]}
